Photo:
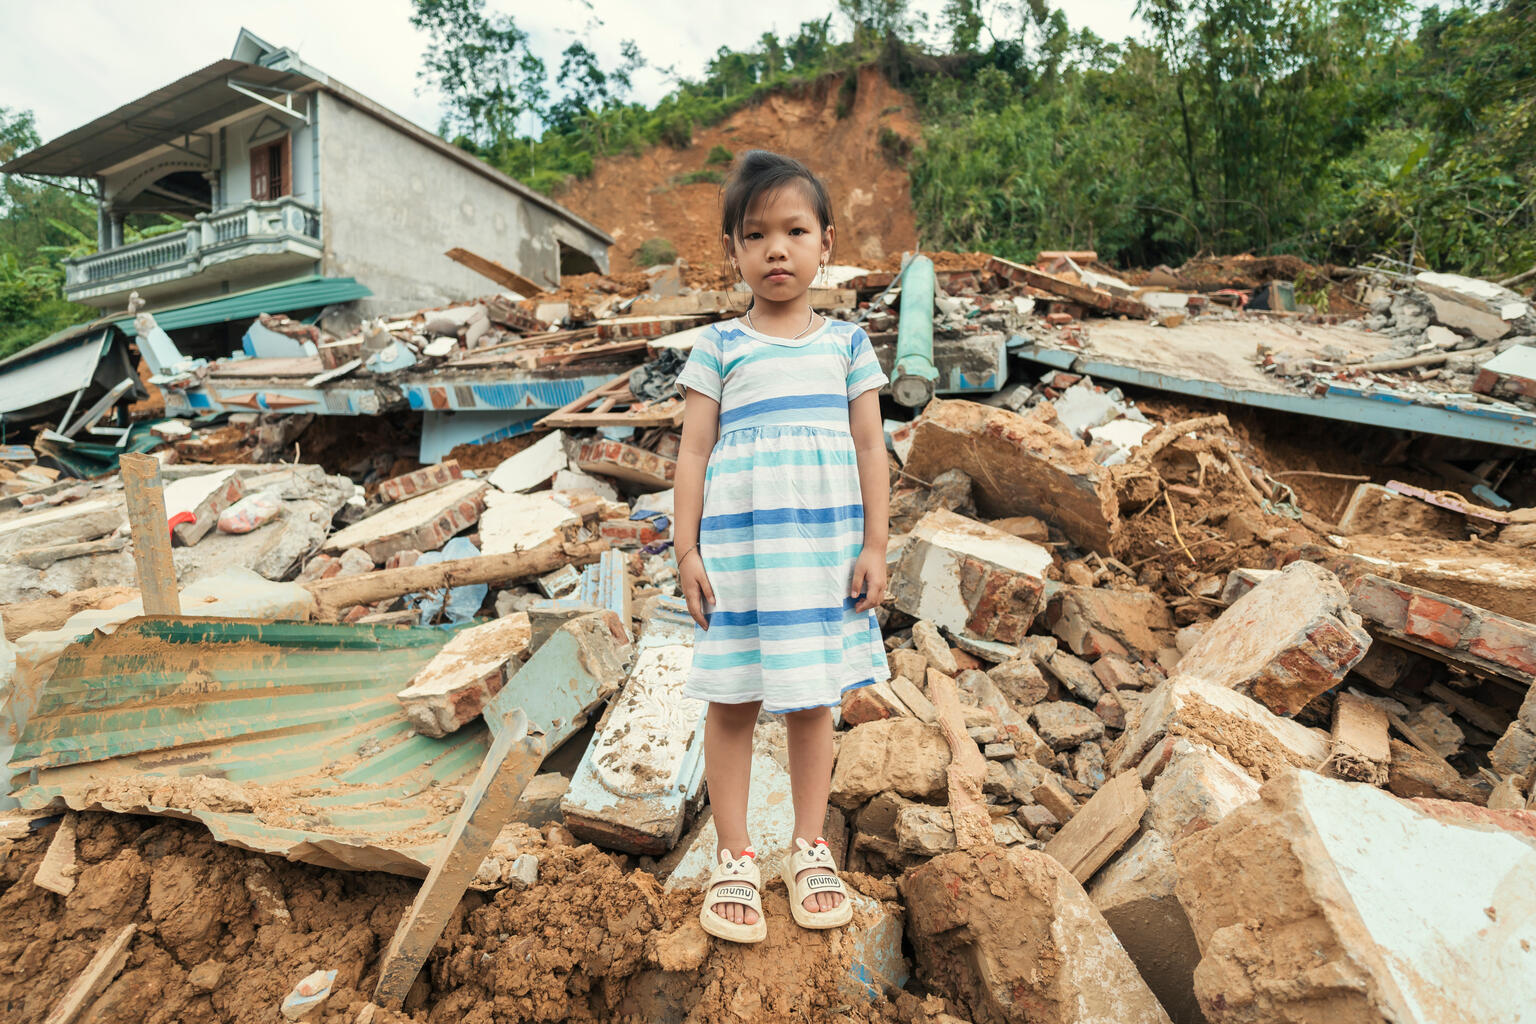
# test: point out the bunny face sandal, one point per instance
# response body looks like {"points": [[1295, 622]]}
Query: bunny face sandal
{"points": [[734, 881], [807, 872]]}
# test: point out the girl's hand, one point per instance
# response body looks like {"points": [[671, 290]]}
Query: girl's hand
{"points": [[868, 579], [696, 589]]}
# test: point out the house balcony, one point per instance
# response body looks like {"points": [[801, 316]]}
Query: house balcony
{"points": [[245, 243]]}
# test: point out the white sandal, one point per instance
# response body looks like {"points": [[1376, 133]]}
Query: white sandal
{"points": [[817, 855], [734, 881]]}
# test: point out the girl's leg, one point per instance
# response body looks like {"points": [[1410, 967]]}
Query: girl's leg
{"points": [[810, 780], [728, 771]]}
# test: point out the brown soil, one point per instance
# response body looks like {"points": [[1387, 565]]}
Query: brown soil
{"points": [[638, 197], [591, 941]]}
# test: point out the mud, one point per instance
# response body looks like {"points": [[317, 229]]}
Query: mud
{"points": [[592, 941], [638, 197]]}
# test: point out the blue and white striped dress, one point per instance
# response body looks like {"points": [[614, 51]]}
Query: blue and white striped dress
{"points": [[783, 518]]}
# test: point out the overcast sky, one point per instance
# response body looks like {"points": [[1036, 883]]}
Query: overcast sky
{"points": [[74, 60]]}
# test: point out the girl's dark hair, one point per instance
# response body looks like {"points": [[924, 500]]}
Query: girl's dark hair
{"points": [[758, 172]]}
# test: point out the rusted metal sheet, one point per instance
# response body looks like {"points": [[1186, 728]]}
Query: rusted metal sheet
{"points": [[284, 738]]}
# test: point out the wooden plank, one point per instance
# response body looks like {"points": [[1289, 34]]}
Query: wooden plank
{"points": [[277, 366], [1072, 291], [151, 535], [1100, 827], [1489, 719], [104, 967], [56, 873], [967, 768], [572, 416], [337, 593], [503, 276], [489, 804]]}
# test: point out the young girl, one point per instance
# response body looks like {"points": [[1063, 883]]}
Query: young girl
{"points": [[782, 502]]}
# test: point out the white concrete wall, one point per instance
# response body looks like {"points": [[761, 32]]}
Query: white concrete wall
{"points": [[393, 205], [236, 181]]}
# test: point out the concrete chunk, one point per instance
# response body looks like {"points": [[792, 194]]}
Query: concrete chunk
{"points": [[1021, 680], [1011, 936], [1019, 465], [900, 754], [533, 466], [1064, 725], [970, 578], [460, 680], [1360, 742], [1076, 675], [1100, 827], [1325, 893], [1238, 727], [424, 523], [872, 703], [1096, 621], [1287, 640], [914, 699]]}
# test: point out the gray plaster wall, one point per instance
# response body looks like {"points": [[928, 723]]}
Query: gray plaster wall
{"points": [[392, 205]]}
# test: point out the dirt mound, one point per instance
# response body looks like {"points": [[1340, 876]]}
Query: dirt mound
{"points": [[640, 197]]}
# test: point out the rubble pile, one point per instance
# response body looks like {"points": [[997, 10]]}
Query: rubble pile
{"points": [[1163, 740]]}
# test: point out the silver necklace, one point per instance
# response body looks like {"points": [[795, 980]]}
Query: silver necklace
{"points": [[809, 319]]}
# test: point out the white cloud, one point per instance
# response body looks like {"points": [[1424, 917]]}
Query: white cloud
{"points": [[86, 57]]}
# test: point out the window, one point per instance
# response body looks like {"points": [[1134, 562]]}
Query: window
{"points": [[272, 169]]}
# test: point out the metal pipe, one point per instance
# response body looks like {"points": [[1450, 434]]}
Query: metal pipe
{"points": [[913, 377]]}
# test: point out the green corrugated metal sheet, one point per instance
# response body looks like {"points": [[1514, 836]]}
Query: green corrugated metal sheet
{"points": [[302, 293], [303, 717]]}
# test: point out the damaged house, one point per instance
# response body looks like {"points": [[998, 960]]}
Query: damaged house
{"points": [[296, 194]]}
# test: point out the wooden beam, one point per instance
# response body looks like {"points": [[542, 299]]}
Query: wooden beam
{"points": [[1069, 290], [967, 769], [97, 976], [337, 593], [489, 804], [151, 535], [503, 276]]}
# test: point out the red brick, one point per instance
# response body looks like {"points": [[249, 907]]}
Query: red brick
{"points": [[428, 478], [629, 533], [1380, 601], [401, 559], [1435, 621], [1508, 642], [1097, 643], [866, 704]]}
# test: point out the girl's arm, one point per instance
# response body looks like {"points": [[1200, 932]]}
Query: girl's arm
{"points": [[875, 489], [701, 428]]}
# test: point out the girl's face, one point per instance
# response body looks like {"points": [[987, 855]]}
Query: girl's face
{"points": [[782, 244]]}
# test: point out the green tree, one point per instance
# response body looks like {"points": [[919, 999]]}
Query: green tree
{"points": [[481, 63]]}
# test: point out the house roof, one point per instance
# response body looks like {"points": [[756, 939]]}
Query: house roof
{"points": [[203, 98]]}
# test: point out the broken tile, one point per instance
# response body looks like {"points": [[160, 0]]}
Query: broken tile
{"points": [[532, 467]]}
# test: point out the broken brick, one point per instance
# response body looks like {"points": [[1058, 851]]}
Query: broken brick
{"points": [[427, 478], [969, 578]]}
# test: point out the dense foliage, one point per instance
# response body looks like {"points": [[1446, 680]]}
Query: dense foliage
{"points": [[1339, 130]]}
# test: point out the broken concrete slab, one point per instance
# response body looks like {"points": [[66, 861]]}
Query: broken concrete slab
{"points": [[1373, 508], [73, 523], [913, 699], [643, 773], [462, 678], [1330, 893], [1100, 827], [521, 522], [1238, 727], [1020, 465], [532, 467], [1446, 628], [970, 578], [901, 755], [1075, 675], [424, 523], [1096, 621], [1284, 642], [986, 923], [579, 667]]}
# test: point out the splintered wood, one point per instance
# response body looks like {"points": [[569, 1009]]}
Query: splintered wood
{"points": [[57, 871], [1360, 751], [967, 768]]}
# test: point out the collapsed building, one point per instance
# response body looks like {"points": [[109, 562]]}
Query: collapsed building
{"points": [[1212, 621]]}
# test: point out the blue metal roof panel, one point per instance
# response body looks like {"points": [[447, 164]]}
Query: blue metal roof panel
{"points": [[302, 293]]}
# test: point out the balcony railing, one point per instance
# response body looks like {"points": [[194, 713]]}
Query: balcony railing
{"points": [[208, 238]]}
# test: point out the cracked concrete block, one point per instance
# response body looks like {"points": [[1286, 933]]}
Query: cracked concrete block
{"points": [[1009, 935], [453, 688], [970, 578], [1096, 621], [424, 523], [1064, 725], [1333, 894], [1287, 640], [902, 755]]}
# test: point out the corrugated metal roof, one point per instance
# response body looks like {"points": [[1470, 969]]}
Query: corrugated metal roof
{"points": [[60, 369], [300, 293], [296, 725]]}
